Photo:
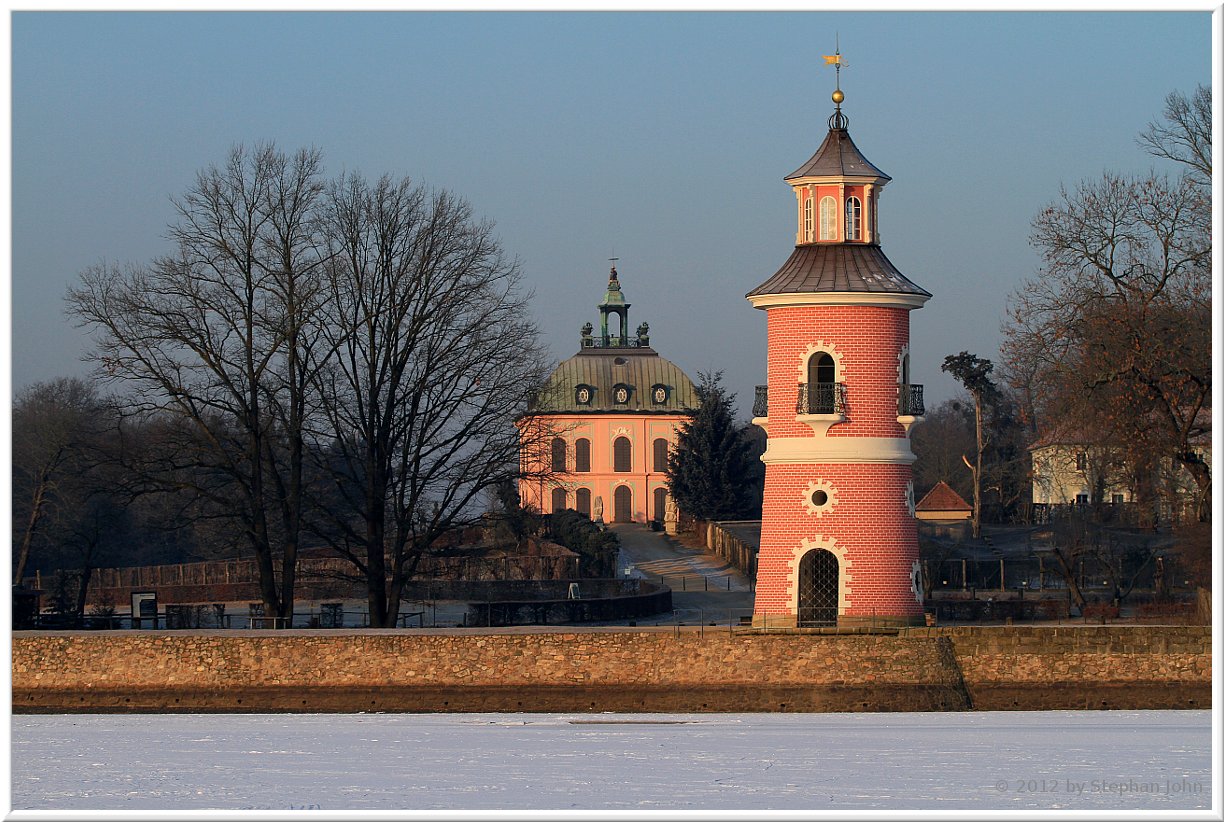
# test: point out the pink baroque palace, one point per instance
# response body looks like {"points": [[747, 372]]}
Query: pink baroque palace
{"points": [[839, 543], [609, 417]]}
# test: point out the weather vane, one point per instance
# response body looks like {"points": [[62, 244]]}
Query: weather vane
{"points": [[837, 119], [835, 60]]}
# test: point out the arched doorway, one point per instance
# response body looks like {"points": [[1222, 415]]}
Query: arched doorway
{"points": [[821, 397], [660, 504], [660, 455], [622, 504], [818, 584]]}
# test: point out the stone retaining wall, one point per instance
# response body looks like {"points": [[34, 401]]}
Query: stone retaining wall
{"points": [[1140, 666], [457, 670]]}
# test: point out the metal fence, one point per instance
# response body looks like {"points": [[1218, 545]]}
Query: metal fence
{"points": [[246, 571], [1040, 573], [214, 616]]}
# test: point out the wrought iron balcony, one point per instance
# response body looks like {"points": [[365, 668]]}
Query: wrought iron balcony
{"points": [[821, 398], [909, 401], [760, 406]]}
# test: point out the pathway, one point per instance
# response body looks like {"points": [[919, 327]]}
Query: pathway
{"points": [[705, 587]]}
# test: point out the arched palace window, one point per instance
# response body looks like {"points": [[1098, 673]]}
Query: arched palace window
{"points": [[622, 455], [582, 455], [660, 455]]}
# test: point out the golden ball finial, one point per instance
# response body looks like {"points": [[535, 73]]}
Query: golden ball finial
{"points": [[838, 97]]}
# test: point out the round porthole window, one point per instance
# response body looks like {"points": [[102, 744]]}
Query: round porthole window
{"points": [[819, 498]]}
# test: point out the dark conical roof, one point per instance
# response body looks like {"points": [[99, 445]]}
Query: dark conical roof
{"points": [[838, 156], [838, 267]]}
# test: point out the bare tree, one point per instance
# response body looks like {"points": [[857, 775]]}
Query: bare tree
{"points": [[434, 358], [938, 442], [54, 426], [1114, 338], [214, 336], [1185, 134]]}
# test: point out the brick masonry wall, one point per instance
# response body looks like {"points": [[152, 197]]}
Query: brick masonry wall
{"points": [[465, 670], [869, 524], [866, 341], [868, 519]]}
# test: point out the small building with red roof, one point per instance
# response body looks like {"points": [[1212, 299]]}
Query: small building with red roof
{"points": [[942, 504]]}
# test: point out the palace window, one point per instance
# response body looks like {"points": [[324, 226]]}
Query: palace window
{"points": [[622, 455], [558, 455], [582, 455]]}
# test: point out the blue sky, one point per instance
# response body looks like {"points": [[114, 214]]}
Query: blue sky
{"points": [[659, 138]]}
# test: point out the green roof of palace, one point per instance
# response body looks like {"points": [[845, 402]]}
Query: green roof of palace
{"points": [[602, 370]]}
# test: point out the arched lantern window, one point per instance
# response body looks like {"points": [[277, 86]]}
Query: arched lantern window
{"points": [[854, 218], [828, 218]]}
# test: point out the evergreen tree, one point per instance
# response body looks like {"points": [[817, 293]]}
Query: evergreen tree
{"points": [[709, 473], [973, 372]]}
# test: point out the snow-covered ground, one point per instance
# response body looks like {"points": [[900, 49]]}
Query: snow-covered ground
{"points": [[1080, 760]]}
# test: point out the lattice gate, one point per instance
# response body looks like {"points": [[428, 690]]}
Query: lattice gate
{"points": [[818, 584]]}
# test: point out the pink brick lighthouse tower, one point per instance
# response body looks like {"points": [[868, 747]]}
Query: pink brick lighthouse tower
{"points": [[839, 544]]}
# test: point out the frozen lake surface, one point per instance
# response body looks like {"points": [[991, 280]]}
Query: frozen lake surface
{"points": [[1076, 760]]}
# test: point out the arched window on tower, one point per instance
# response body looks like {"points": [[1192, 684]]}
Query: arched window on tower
{"points": [[660, 455], [828, 218], [558, 455], [854, 218], [807, 220], [622, 455], [819, 396], [582, 455]]}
